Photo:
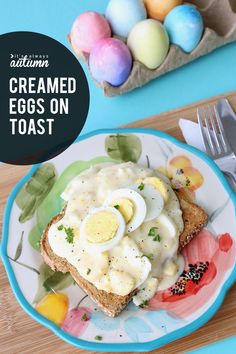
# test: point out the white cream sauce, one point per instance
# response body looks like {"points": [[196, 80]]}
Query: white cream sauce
{"points": [[138, 260]]}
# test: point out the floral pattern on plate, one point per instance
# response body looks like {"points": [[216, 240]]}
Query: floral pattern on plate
{"points": [[209, 258]]}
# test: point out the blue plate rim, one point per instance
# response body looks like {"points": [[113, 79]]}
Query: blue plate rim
{"points": [[115, 347]]}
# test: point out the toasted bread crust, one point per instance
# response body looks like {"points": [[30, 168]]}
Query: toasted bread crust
{"points": [[194, 217], [194, 220]]}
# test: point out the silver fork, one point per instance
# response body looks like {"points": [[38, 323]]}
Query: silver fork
{"points": [[216, 142]]}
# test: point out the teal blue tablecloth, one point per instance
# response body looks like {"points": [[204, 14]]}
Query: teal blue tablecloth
{"points": [[206, 77]]}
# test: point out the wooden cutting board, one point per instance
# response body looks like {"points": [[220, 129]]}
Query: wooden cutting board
{"points": [[19, 334]]}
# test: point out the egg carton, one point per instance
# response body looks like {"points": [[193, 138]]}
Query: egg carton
{"points": [[219, 18]]}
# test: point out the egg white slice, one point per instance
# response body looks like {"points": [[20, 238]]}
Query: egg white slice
{"points": [[105, 246], [153, 200], [140, 208], [169, 224]]}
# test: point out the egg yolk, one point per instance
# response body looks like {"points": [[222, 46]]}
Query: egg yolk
{"points": [[125, 207], [159, 185], [76, 232], [101, 227]]}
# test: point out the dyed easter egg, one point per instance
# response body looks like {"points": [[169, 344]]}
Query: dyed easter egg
{"points": [[87, 29], [185, 26], [111, 61], [149, 43], [158, 9], [124, 14]]}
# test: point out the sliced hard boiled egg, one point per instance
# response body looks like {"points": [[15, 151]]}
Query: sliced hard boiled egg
{"points": [[158, 184], [153, 199], [102, 229], [169, 224], [126, 208], [130, 204]]}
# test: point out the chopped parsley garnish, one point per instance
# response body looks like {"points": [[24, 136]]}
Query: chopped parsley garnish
{"points": [[69, 233], [141, 186], [153, 232], [117, 207], [144, 304], [98, 337], [84, 317], [149, 256], [187, 182], [88, 271], [157, 238]]}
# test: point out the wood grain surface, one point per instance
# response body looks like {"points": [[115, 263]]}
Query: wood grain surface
{"points": [[20, 334]]}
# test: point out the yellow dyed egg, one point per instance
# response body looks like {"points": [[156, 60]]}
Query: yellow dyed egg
{"points": [[158, 9], [54, 307], [149, 43]]}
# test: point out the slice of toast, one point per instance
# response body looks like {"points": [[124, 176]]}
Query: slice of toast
{"points": [[194, 217], [194, 220]]}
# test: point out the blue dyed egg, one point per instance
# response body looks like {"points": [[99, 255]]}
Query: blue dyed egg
{"points": [[123, 15], [184, 25]]}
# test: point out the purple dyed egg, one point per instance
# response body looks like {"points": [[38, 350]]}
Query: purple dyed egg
{"points": [[111, 61]]}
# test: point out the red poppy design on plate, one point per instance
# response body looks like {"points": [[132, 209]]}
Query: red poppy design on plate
{"points": [[207, 260]]}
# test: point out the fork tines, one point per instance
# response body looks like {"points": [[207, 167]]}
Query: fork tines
{"points": [[212, 131]]}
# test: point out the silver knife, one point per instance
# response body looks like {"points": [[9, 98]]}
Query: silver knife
{"points": [[229, 121]]}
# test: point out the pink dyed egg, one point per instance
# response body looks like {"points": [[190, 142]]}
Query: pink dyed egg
{"points": [[87, 29], [111, 61]]}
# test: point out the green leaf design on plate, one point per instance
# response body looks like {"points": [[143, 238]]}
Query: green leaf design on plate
{"points": [[49, 280], [53, 204], [123, 147], [35, 237], [18, 254], [35, 190], [57, 278], [19, 248]]}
